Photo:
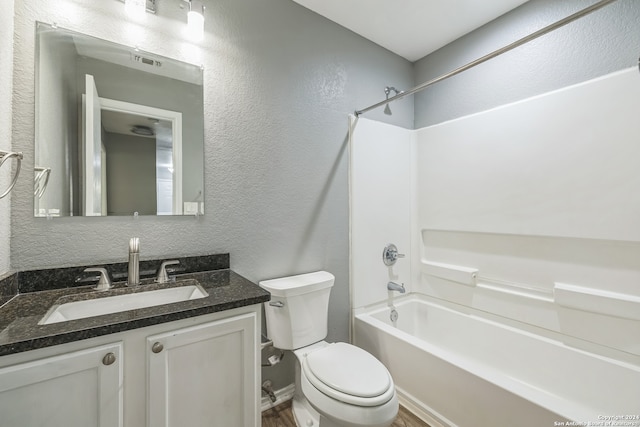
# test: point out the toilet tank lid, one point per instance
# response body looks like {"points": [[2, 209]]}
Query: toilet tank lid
{"points": [[298, 285]]}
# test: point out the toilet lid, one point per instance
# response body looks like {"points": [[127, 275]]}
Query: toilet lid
{"points": [[348, 369]]}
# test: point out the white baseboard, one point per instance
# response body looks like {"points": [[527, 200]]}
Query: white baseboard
{"points": [[282, 395], [421, 410]]}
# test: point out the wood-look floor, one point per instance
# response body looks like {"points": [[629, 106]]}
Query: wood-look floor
{"points": [[282, 416]]}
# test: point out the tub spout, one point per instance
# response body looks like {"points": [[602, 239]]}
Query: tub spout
{"points": [[393, 286]]}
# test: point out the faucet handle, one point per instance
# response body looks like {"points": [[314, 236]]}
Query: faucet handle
{"points": [[162, 276], [104, 283], [390, 254]]}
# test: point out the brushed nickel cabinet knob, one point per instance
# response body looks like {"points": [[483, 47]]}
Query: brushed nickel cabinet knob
{"points": [[157, 347], [108, 359]]}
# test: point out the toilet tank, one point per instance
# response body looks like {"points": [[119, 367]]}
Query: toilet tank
{"points": [[297, 313]]}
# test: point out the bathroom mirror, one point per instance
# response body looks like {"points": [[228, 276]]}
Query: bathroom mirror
{"points": [[118, 131]]}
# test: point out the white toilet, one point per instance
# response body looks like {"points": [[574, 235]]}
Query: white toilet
{"points": [[337, 384]]}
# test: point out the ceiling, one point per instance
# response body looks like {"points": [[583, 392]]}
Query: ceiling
{"points": [[411, 28]]}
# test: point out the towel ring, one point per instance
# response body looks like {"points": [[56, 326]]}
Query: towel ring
{"points": [[6, 156]]}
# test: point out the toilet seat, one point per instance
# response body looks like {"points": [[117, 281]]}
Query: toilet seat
{"points": [[348, 374]]}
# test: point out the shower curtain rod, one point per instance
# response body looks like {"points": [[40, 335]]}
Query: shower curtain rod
{"points": [[493, 54]]}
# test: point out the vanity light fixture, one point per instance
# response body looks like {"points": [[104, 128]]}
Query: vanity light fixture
{"points": [[195, 20]]}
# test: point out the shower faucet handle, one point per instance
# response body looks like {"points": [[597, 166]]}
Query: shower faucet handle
{"points": [[390, 254]]}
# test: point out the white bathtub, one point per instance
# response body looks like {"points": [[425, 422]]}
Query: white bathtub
{"points": [[460, 369]]}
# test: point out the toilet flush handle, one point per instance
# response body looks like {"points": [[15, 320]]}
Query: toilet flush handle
{"points": [[277, 304]]}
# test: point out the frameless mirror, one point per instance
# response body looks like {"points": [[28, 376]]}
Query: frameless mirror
{"points": [[118, 131]]}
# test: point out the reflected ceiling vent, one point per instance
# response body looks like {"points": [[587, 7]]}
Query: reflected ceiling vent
{"points": [[142, 130]]}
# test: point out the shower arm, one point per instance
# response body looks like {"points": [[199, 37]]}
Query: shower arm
{"points": [[492, 55], [388, 89]]}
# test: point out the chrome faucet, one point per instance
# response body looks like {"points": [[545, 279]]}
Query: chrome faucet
{"points": [[133, 278], [393, 286]]}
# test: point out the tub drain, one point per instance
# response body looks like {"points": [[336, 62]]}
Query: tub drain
{"points": [[394, 315]]}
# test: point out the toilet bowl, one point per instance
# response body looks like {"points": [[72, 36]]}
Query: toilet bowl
{"points": [[347, 386], [337, 384]]}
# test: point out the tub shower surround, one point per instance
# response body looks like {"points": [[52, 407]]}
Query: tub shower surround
{"points": [[522, 241]]}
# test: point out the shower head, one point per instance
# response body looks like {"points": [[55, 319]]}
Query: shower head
{"points": [[387, 91]]}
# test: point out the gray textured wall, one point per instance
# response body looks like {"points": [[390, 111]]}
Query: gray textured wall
{"points": [[131, 174], [279, 84], [605, 41], [6, 82]]}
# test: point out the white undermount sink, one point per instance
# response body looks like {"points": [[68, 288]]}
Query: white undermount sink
{"points": [[99, 306]]}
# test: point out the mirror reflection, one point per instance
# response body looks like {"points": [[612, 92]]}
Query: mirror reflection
{"points": [[118, 131]]}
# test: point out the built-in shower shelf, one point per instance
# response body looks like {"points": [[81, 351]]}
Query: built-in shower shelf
{"points": [[610, 303], [455, 273], [597, 301]]}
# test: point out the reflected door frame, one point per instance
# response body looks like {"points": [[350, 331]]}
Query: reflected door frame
{"points": [[175, 118]]}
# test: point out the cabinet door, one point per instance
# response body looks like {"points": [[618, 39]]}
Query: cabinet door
{"points": [[205, 375], [78, 389]]}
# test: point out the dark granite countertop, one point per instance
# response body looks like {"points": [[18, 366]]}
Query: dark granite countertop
{"points": [[20, 331]]}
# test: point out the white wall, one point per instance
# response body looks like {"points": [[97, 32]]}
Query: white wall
{"points": [[6, 85], [560, 164]]}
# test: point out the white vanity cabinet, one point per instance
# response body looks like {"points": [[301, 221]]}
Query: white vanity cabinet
{"points": [[200, 371], [77, 389], [203, 375]]}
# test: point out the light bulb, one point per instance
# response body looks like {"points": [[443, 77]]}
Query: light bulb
{"points": [[135, 8], [195, 25]]}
